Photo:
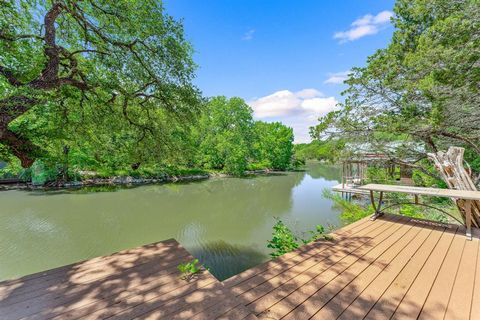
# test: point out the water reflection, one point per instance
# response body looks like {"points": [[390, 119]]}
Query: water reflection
{"points": [[224, 259], [224, 222]]}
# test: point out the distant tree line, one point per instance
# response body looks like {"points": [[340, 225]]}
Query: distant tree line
{"points": [[327, 150]]}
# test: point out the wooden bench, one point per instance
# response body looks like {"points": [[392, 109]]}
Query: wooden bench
{"points": [[466, 195]]}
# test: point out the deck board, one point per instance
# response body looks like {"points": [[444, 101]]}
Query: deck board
{"points": [[404, 268], [460, 301], [392, 297], [342, 273], [296, 291], [393, 258], [142, 282], [267, 294], [417, 294]]}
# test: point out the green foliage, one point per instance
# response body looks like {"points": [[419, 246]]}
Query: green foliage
{"points": [[355, 210], [380, 174], [425, 180], [318, 233], [119, 76], [284, 239], [43, 173], [273, 145], [189, 269], [351, 211], [224, 135], [325, 150], [118, 94], [421, 90], [229, 140]]}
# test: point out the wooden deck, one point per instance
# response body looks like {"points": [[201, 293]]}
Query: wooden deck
{"points": [[390, 268], [141, 283]]}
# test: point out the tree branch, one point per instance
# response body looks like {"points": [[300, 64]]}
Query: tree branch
{"points": [[10, 77]]}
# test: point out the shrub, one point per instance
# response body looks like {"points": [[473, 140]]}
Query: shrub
{"points": [[284, 239]]}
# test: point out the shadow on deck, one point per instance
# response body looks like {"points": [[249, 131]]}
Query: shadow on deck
{"points": [[394, 267]]}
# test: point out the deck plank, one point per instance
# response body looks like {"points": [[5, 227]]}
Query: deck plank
{"points": [[268, 306], [413, 301], [342, 233], [475, 309], [86, 265], [387, 304], [317, 294], [437, 300], [265, 295], [307, 260], [388, 263], [462, 292], [135, 282]]}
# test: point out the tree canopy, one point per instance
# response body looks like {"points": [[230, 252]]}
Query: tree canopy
{"points": [[92, 73], [230, 140], [423, 87]]}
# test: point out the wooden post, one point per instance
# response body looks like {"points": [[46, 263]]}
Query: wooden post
{"points": [[468, 218]]}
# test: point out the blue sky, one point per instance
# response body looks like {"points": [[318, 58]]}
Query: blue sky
{"points": [[285, 58]]}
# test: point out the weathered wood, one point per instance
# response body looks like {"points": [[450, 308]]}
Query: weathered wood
{"points": [[450, 165], [435, 192]]}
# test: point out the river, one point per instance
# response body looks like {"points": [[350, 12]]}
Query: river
{"points": [[225, 222]]}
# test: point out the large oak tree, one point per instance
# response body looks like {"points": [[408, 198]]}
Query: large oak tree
{"points": [[71, 68]]}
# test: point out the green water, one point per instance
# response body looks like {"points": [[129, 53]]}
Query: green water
{"points": [[224, 222]]}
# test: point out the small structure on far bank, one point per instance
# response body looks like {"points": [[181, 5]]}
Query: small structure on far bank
{"points": [[360, 159]]}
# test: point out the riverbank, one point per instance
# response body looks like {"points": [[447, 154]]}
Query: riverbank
{"points": [[125, 181]]}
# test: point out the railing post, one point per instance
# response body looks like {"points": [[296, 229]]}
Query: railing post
{"points": [[468, 218]]}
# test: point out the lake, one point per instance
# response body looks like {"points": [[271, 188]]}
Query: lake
{"points": [[225, 222]]}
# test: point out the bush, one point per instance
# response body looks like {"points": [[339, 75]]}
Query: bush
{"points": [[284, 239]]}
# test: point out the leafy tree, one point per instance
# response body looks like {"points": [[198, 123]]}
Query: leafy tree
{"points": [[423, 88], [229, 139], [92, 73], [326, 150], [273, 144], [224, 135]]}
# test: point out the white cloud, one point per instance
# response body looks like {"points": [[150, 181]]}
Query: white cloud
{"points": [[248, 35], [337, 77], [299, 110], [367, 25], [279, 103], [319, 105], [308, 93]]}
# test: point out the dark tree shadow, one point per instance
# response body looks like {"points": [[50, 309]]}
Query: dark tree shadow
{"points": [[136, 282]]}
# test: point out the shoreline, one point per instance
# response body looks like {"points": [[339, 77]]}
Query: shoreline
{"points": [[127, 181]]}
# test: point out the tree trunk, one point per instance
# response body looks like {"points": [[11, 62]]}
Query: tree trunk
{"points": [[20, 147], [450, 166], [10, 109]]}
